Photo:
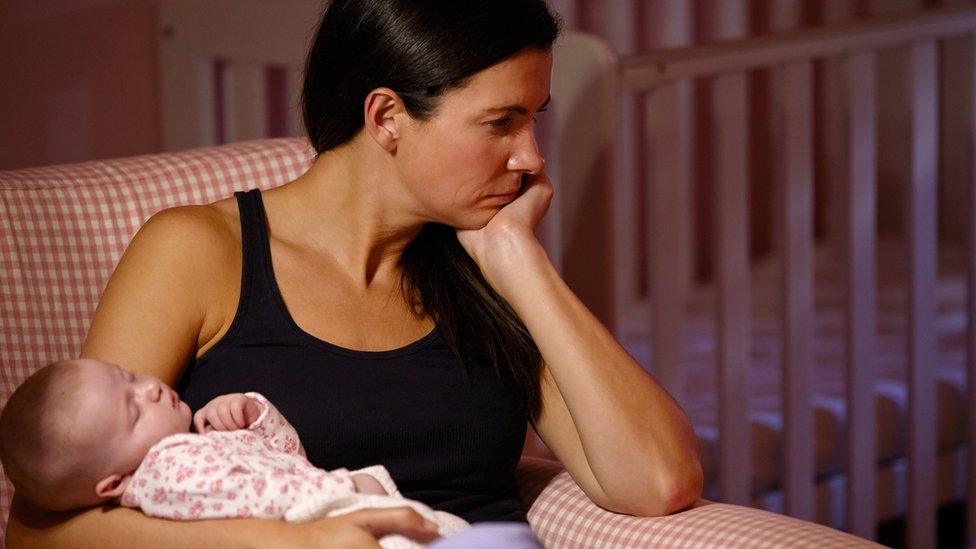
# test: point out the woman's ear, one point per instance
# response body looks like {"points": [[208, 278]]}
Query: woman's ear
{"points": [[112, 486], [381, 121]]}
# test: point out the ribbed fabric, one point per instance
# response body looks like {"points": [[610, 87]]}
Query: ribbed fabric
{"points": [[448, 440]]}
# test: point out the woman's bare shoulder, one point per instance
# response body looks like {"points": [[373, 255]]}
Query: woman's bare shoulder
{"points": [[173, 287], [204, 228]]}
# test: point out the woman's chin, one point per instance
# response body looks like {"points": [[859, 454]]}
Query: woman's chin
{"points": [[473, 222]]}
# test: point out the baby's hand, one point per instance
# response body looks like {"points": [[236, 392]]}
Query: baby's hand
{"points": [[227, 413]]}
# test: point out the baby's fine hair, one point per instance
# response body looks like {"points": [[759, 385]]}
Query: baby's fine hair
{"points": [[35, 436]]}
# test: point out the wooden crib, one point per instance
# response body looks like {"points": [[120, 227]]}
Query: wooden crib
{"points": [[848, 284], [787, 364]]}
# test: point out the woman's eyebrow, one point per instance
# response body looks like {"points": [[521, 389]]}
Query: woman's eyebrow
{"points": [[518, 109]]}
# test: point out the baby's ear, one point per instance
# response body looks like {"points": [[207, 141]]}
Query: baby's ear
{"points": [[112, 486]]}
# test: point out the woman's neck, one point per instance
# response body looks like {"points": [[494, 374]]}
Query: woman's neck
{"points": [[349, 204]]}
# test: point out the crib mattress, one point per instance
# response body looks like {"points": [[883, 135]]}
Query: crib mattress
{"points": [[829, 405]]}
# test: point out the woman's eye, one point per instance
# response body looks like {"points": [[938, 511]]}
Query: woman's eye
{"points": [[501, 122], [536, 120]]}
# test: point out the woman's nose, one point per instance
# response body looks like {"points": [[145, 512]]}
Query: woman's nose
{"points": [[527, 157]]}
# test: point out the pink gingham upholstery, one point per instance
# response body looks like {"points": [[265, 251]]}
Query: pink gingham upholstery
{"points": [[562, 516], [63, 228]]}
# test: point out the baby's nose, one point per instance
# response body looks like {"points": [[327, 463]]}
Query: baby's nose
{"points": [[152, 390]]}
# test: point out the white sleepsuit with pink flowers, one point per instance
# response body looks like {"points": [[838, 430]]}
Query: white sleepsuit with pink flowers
{"points": [[259, 472]]}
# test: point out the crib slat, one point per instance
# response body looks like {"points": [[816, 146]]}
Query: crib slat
{"points": [[729, 124], [669, 202], [766, 97], [244, 95], [666, 170], [727, 188], [617, 26], [793, 151], [858, 217], [832, 133], [966, 63], [921, 222]]}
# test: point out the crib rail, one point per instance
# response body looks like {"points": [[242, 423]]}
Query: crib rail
{"points": [[849, 53], [643, 72]]}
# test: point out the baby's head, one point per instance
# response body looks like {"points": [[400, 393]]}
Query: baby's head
{"points": [[72, 435]]}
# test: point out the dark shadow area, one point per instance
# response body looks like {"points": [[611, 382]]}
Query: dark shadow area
{"points": [[951, 528]]}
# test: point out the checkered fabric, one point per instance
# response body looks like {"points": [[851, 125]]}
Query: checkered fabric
{"points": [[562, 516], [63, 228]]}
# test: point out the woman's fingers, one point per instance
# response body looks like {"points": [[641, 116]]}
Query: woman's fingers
{"points": [[395, 520], [537, 199]]}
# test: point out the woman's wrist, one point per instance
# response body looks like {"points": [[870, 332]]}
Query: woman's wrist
{"points": [[505, 262]]}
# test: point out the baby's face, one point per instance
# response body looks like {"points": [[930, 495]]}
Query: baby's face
{"points": [[129, 413]]}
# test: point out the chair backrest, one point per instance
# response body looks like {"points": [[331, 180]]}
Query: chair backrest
{"points": [[63, 228]]}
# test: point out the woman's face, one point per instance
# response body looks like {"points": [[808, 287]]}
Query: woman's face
{"points": [[478, 144]]}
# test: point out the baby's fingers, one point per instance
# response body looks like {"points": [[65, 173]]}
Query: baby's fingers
{"points": [[237, 413], [200, 420], [216, 420]]}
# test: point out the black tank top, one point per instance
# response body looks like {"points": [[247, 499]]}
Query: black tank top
{"points": [[449, 440]]}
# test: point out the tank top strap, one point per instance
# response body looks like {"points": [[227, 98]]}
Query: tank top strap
{"points": [[257, 273]]}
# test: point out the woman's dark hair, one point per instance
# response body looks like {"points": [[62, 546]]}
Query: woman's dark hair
{"points": [[420, 49]]}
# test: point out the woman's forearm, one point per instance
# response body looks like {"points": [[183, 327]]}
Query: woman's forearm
{"points": [[632, 432], [123, 527]]}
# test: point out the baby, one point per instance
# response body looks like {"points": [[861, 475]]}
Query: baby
{"points": [[83, 432]]}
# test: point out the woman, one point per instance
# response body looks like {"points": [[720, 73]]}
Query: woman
{"points": [[393, 300]]}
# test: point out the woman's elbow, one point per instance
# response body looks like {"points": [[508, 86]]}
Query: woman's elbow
{"points": [[679, 494], [686, 492]]}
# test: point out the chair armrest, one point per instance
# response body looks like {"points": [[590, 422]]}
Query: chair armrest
{"points": [[562, 516]]}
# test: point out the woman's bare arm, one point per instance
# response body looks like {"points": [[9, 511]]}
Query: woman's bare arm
{"points": [[620, 435], [172, 294], [617, 431], [123, 527], [168, 295]]}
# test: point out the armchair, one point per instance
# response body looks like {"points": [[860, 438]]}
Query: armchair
{"points": [[62, 229]]}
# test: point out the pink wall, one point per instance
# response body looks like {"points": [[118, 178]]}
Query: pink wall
{"points": [[78, 80]]}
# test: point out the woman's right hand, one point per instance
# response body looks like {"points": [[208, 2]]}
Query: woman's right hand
{"points": [[362, 529]]}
